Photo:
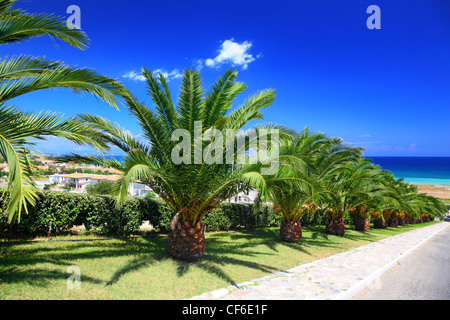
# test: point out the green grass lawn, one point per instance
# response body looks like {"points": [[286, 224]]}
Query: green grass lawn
{"points": [[141, 268]]}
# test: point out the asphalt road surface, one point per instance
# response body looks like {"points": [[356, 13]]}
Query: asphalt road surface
{"points": [[423, 275]]}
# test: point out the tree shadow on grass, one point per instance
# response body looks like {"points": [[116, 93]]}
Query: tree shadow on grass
{"points": [[222, 251], [39, 264], [373, 234], [39, 277], [217, 264], [318, 232], [26, 263], [23, 262]]}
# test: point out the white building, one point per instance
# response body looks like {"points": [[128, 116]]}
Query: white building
{"points": [[138, 189], [55, 178], [81, 180], [244, 197]]}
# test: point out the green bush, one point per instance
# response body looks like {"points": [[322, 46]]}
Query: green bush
{"points": [[234, 216], [59, 210], [158, 214], [228, 216], [101, 188], [320, 217], [100, 215], [96, 214], [113, 221]]}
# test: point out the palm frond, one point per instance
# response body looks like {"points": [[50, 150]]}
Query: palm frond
{"points": [[18, 25], [250, 110], [58, 75], [189, 100], [217, 101]]}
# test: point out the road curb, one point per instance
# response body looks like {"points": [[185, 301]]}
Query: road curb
{"points": [[362, 284]]}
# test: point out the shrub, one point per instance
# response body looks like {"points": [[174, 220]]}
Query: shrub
{"points": [[60, 210], [234, 216], [100, 215], [320, 217], [114, 221], [100, 188]]}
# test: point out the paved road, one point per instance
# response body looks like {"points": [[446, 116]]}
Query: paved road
{"points": [[423, 275], [339, 276]]}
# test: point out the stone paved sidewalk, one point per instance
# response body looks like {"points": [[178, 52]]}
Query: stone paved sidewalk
{"points": [[337, 277]]}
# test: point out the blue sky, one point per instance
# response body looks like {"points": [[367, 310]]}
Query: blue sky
{"points": [[387, 90]]}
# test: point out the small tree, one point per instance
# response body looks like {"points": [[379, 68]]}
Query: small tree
{"points": [[101, 188], [70, 185]]}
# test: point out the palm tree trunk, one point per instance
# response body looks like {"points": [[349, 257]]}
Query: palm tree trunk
{"points": [[362, 224], [290, 231], [186, 241], [335, 226], [392, 222], [379, 223]]}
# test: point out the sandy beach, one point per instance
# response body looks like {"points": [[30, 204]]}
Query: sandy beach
{"points": [[438, 191]]}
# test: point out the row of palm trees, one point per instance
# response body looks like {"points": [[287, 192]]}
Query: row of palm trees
{"points": [[344, 183], [315, 171]]}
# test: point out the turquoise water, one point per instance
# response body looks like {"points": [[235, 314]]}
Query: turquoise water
{"points": [[419, 170]]}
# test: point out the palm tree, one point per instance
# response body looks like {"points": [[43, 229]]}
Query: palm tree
{"points": [[23, 74], [401, 216], [378, 220], [392, 211], [335, 182], [196, 185], [422, 206], [330, 164], [361, 216], [290, 197], [395, 202], [382, 195], [350, 190]]}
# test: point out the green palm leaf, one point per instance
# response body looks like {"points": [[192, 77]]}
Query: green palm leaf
{"points": [[23, 74], [18, 25]]}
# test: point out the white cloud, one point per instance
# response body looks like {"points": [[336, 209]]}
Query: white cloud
{"points": [[198, 64], [234, 53], [174, 74], [210, 62], [134, 76], [169, 75]]}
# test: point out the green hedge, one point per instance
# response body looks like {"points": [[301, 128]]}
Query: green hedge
{"points": [[234, 216], [100, 215]]}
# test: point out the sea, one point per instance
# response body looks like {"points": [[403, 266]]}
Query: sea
{"points": [[417, 170]]}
